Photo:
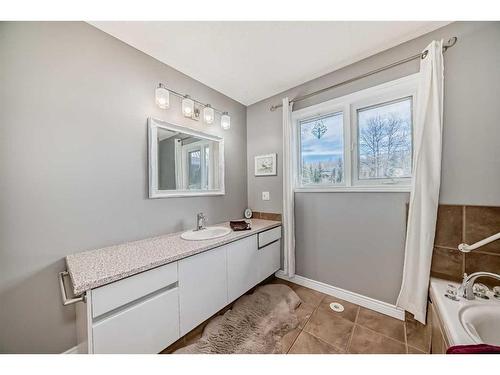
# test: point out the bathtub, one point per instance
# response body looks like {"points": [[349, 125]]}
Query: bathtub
{"points": [[465, 322]]}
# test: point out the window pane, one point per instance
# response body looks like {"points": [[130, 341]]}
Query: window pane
{"points": [[194, 161], [322, 150], [385, 140]]}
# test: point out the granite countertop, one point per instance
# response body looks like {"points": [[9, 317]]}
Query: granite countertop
{"points": [[94, 268]]}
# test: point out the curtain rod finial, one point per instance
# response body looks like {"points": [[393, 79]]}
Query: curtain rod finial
{"points": [[451, 42]]}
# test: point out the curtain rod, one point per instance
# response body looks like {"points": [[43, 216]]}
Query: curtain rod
{"points": [[450, 43]]}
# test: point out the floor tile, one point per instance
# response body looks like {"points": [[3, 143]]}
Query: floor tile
{"points": [[350, 309], [277, 280], [418, 335], [288, 340], [304, 312], [308, 344], [412, 350], [365, 341], [381, 323], [308, 296], [334, 330]]}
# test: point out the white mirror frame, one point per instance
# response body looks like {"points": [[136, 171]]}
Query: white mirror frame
{"points": [[154, 192]]}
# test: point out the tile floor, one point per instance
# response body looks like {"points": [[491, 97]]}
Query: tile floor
{"points": [[355, 330]]}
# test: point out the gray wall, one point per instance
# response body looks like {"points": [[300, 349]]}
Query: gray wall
{"points": [[353, 241], [471, 160], [73, 165]]}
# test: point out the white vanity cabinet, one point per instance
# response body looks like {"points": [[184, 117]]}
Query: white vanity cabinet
{"points": [[242, 267], [137, 314], [203, 287], [148, 311]]}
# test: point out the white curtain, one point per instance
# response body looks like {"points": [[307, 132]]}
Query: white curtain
{"points": [[425, 186], [288, 194]]}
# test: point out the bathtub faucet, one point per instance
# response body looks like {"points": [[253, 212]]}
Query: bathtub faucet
{"points": [[466, 289]]}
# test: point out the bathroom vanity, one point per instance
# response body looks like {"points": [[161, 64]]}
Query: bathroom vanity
{"points": [[142, 296]]}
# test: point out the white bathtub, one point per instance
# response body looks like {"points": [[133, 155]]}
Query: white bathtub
{"points": [[466, 322]]}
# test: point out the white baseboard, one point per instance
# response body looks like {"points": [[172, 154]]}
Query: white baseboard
{"points": [[369, 303], [73, 350]]}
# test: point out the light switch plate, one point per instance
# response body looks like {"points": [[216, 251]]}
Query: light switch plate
{"points": [[265, 196]]}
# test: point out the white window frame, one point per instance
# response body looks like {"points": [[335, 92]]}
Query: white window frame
{"points": [[349, 105], [205, 177]]}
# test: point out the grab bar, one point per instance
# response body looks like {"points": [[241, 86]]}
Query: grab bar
{"points": [[464, 248], [65, 300]]}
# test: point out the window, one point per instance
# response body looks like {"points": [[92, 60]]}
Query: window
{"points": [[322, 150], [385, 140], [362, 141], [198, 172]]}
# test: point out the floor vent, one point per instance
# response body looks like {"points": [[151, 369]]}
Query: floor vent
{"points": [[337, 307]]}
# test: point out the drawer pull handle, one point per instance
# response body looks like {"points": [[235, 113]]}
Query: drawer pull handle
{"points": [[65, 300]]}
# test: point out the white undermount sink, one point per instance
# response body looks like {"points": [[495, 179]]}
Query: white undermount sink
{"points": [[207, 233], [482, 323]]}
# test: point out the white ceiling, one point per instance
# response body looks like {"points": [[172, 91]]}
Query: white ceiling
{"points": [[251, 61]]}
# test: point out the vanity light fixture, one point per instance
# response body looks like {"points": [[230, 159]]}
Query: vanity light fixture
{"points": [[187, 106], [191, 108], [208, 114], [162, 97], [225, 121]]}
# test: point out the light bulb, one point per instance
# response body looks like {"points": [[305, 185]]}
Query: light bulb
{"points": [[208, 114], [187, 106], [225, 121], [162, 97]]}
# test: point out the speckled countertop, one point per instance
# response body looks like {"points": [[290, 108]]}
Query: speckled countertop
{"points": [[94, 268]]}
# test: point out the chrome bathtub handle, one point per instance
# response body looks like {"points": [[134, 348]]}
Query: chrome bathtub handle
{"points": [[65, 300]]}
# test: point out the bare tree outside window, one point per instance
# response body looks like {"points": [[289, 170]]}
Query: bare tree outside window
{"points": [[385, 140]]}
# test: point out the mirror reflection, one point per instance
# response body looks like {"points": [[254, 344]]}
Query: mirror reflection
{"points": [[187, 162]]}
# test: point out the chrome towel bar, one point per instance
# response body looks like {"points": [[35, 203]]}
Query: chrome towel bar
{"points": [[65, 300]]}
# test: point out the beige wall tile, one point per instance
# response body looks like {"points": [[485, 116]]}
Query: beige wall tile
{"points": [[475, 262], [447, 263], [482, 222], [449, 226]]}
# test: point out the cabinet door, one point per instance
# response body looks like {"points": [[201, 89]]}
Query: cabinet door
{"points": [[202, 287], [269, 259], [242, 266], [145, 328]]}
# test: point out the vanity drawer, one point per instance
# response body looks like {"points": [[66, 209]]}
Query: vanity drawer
{"points": [[269, 259], [119, 293], [269, 236], [145, 328]]}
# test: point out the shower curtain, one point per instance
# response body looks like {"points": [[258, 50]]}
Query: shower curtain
{"points": [[424, 196], [288, 192]]}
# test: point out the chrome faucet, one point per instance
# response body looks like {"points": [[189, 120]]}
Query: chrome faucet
{"points": [[200, 221], [466, 289]]}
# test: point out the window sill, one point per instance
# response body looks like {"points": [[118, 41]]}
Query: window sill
{"points": [[355, 189]]}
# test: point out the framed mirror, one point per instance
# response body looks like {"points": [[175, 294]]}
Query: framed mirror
{"points": [[184, 162]]}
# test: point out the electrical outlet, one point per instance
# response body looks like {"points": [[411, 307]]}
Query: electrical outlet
{"points": [[265, 196]]}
